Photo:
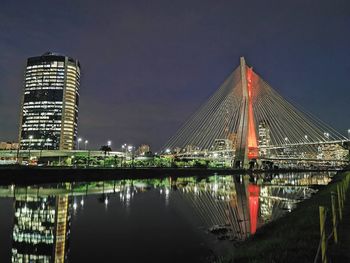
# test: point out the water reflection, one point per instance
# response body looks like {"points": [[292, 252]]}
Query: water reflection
{"points": [[41, 228], [225, 207]]}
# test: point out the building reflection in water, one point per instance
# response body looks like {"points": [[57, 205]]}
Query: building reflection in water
{"points": [[41, 228], [222, 203], [228, 207], [233, 208]]}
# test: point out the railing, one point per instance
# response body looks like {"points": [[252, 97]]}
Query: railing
{"points": [[336, 216], [270, 147]]}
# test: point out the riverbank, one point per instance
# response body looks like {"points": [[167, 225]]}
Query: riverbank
{"points": [[292, 238], [340, 252], [34, 174]]}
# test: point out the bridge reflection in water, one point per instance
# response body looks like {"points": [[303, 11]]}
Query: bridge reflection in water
{"points": [[224, 207]]}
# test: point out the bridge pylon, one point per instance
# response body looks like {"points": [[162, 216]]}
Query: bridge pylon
{"points": [[246, 144]]}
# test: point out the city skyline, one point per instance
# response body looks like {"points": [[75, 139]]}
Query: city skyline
{"points": [[145, 73]]}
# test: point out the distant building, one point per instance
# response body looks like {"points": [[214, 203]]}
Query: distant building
{"points": [[177, 150], [223, 145], [49, 113], [190, 148], [233, 138], [264, 139], [332, 152], [143, 149], [8, 145]]}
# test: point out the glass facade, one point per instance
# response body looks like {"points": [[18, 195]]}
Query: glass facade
{"points": [[50, 103]]}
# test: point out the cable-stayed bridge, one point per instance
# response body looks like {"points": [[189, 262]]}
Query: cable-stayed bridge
{"points": [[247, 121]]}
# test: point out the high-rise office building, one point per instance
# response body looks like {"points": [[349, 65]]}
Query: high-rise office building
{"points": [[264, 139], [50, 101]]}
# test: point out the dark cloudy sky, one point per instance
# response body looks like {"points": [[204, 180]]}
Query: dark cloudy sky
{"points": [[147, 65]]}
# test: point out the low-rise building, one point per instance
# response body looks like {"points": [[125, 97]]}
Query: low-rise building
{"points": [[143, 149], [8, 145]]}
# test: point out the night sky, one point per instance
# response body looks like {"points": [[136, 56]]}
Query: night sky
{"points": [[148, 65]]}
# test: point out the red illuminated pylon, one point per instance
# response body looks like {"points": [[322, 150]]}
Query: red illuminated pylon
{"points": [[252, 140], [254, 191]]}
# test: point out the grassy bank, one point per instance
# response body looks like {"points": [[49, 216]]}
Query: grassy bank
{"points": [[293, 238]]}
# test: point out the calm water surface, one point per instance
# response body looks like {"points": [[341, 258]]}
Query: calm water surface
{"points": [[156, 220]]}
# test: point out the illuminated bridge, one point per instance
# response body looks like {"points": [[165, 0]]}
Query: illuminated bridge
{"points": [[246, 121]]}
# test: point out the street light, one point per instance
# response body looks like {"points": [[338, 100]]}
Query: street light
{"points": [[326, 134], [86, 142], [79, 140], [124, 148], [130, 150]]}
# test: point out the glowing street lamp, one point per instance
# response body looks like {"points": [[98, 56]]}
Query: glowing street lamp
{"points": [[86, 142], [130, 149], [124, 147], [167, 151], [326, 134], [109, 143], [79, 140]]}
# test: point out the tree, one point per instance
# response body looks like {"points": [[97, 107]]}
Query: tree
{"points": [[105, 149]]}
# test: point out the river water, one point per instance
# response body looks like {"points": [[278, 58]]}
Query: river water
{"points": [[188, 219]]}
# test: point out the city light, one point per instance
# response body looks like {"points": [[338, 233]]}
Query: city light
{"points": [[326, 134], [109, 143], [79, 140]]}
